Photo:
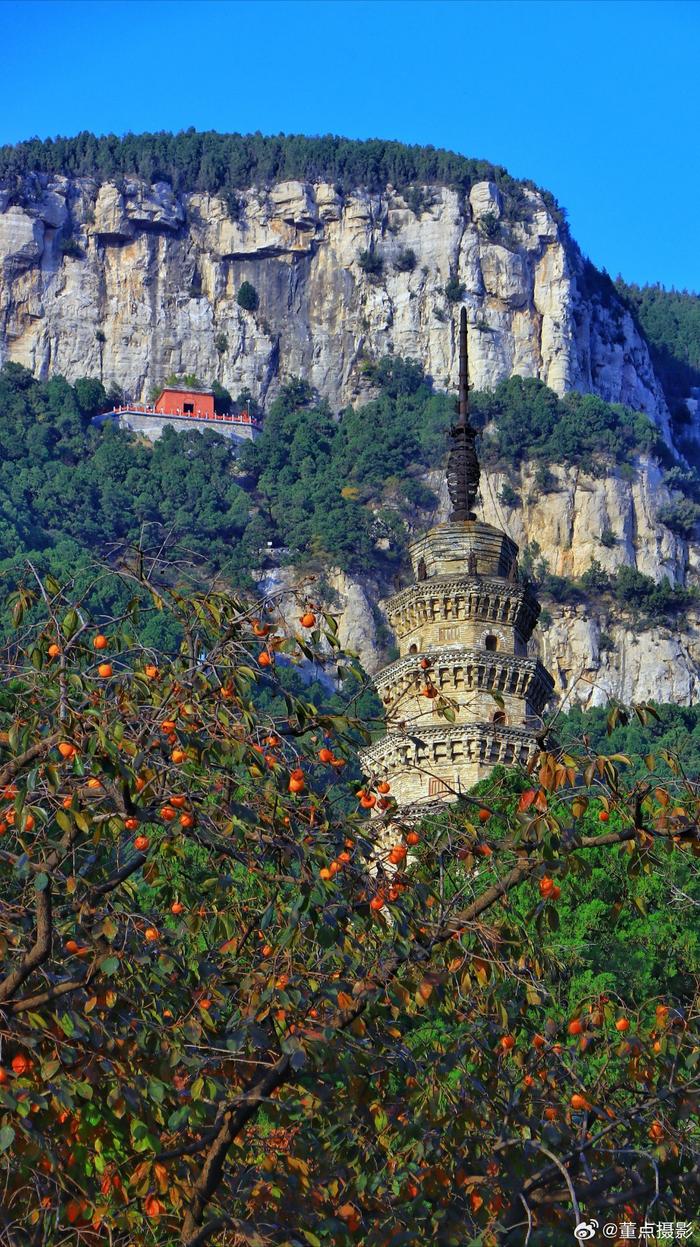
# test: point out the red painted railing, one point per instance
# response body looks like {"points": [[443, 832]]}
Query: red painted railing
{"points": [[145, 409]]}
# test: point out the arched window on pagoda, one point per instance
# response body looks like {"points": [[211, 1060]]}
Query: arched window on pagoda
{"points": [[491, 642]]}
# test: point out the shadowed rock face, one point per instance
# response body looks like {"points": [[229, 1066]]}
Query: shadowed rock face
{"points": [[156, 275]]}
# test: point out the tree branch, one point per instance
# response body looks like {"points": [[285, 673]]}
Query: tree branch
{"points": [[14, 766], [36, 955], [129, 868], [51, 993]]}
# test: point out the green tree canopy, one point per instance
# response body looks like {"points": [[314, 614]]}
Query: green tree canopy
{"points": [[207, 161]]}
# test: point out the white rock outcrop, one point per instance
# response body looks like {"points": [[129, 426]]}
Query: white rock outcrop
{"points": [[151, 286]]}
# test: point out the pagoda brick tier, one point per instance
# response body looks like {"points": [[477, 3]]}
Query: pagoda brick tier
{"points": [[462, 628]]}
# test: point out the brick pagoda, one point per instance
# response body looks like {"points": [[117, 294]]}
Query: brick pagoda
{"points": [[463, 696]]}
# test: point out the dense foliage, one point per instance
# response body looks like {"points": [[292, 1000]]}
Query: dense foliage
{"points": [[313, 488], [645, 600], [671, 737], [531, 422], [70, 490], [334, 488], [247, 296], [312, 485], [670, 320], [227, 1017], [207, 161]]}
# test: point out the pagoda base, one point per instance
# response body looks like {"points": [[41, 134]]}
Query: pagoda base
{"points": [[438, 763]]}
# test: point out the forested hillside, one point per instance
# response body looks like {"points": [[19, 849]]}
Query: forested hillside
{"points": [[671, 321], [324, 491], [345, 250], [275, 279], [213, 162]]}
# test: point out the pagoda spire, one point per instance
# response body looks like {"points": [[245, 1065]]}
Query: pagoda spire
{"points": [[463, 470]]}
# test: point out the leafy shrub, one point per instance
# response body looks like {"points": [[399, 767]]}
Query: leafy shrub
{"points": [[532, 566], [596, 580], [222, 399], [545, 481], [454, 290], [221, 343], [234, 205], [681, 516], [560, 588], [71, 247], [644, 596], [90, 395], [489, 225], [395, 375], [370, 262], [247, 296], [516, 204], [418, 200], [189, 379], [405, 261], [685, 480], [418, 494], [608, 538], [507, 496]]}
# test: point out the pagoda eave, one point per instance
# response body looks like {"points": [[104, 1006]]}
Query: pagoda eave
{"points": [[460, 740], [458, 670]]}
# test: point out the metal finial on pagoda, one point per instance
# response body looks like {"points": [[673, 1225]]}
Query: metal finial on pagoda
{"points": [[463, 470]]}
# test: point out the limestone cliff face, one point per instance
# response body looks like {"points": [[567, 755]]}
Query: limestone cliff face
{"points": [[130, 282], [593, 652]]}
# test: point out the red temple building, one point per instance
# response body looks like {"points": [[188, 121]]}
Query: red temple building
{"points": [[182, 407], [186, 402]]}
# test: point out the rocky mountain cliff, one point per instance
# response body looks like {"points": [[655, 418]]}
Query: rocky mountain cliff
{"points": [[130, 282], [594, 650]]}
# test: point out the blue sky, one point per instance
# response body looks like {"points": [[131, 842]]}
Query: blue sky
{"points": [[597, 101]]}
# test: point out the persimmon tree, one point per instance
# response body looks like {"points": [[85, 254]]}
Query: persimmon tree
{"points": [[236, 1008]]}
